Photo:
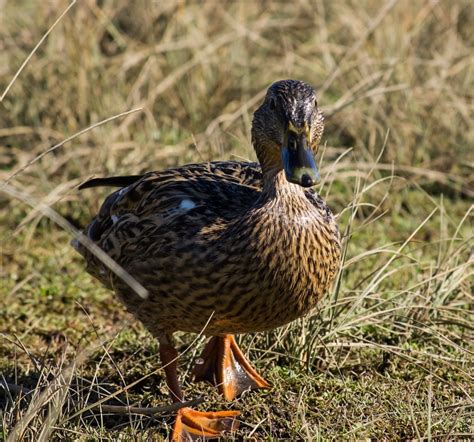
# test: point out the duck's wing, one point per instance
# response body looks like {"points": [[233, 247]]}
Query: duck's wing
{"points": [[205, 192]]}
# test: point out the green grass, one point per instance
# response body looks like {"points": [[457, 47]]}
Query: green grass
{"points": [[389, 352]]}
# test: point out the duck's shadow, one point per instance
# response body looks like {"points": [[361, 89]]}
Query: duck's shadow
{"points": [[88, 402]]}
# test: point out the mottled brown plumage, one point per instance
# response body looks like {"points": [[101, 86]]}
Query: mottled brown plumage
{"points": [[232, 245]]}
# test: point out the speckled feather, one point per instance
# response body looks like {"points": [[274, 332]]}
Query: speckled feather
{"points": [[218, 240]]}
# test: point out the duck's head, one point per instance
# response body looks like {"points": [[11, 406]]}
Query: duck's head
{"points": [[286, 131]]}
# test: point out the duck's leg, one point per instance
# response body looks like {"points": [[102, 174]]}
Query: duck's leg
{"points": [[223, 364], [191, 424]]}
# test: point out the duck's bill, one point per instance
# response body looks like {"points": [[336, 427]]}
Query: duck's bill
{"points": [[298, 161]]}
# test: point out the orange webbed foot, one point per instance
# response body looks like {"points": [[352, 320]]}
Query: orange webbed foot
{"points": [[192, 425], [224, 365]]}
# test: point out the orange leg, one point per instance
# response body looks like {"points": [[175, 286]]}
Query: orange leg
{"points": [[191, 424], [224, 365]]}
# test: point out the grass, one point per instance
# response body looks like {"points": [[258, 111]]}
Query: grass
{"points": [[389, 352]]}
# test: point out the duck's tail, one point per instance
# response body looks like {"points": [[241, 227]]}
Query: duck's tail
{"points": [[112, 181]]}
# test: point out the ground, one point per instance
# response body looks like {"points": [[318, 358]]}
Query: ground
{"points": [[388, 354]]}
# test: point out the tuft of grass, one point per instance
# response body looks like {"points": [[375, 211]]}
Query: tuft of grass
{"points": [[388, 354]]}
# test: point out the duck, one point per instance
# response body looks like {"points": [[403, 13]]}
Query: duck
{"points": [[223, 248]]}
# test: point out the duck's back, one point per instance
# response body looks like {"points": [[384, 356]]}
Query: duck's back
{"points": [[222, 188]]}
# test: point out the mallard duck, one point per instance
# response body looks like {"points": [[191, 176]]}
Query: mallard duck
{"points": [[224, 248]]}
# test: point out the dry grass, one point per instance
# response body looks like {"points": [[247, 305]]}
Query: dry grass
{"points": [[389, 354]]}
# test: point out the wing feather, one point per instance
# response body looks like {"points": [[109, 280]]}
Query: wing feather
{"points": [[219, 189]]}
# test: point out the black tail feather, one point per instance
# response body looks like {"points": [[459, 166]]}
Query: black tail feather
{"points": [[113, 181]]}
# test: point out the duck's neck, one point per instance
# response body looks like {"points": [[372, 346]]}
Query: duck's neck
{"points": [[277, 187]]}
